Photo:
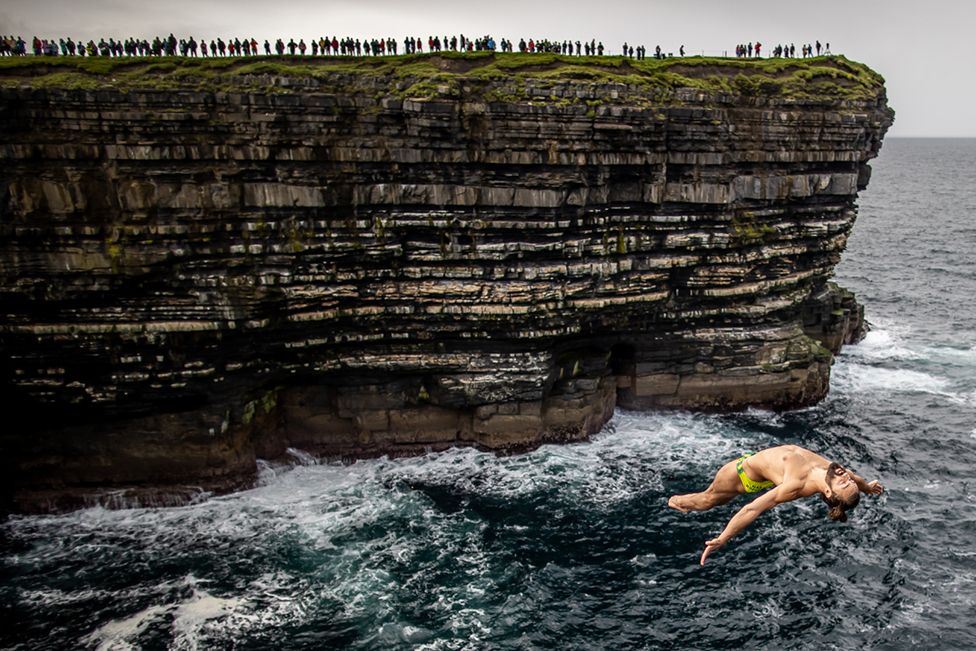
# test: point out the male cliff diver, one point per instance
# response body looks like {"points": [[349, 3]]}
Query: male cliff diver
{"points": [[791, 472]]}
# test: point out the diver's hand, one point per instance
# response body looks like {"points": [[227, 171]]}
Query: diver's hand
{"points": [[874, 488], [710, 546]]}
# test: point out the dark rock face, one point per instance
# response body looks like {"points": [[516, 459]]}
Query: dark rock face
{"points": [[191, 280]]}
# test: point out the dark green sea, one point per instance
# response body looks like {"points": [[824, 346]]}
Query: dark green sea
{"points": [[573, 547]]}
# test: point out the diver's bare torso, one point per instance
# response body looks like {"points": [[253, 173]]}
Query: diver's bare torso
{"points": [[787, 464]]}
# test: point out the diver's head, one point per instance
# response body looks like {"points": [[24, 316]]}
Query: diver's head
{"points": [[842, 493]]}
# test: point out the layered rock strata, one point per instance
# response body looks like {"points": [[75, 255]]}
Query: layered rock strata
{"points": [[193, 279]]}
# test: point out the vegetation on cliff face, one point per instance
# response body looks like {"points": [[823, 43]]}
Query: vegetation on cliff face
{"points": [[495, 77]]}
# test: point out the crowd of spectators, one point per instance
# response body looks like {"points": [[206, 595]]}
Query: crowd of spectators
{"points": [[748, 50], [743, 50], [10, 46], [235, 47], [348, 46]]}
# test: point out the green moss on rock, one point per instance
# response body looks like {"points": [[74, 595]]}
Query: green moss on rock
{"points": [[509, 77]]}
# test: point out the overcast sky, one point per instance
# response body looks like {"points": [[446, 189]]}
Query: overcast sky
{"points": [[925, 50]]}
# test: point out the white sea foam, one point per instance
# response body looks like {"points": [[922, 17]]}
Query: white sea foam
{"points": [[266, 472], [952, 354], [191, 617], [396, 633], [895, 341], [768, 418], [302, 457], [644, 560], [888, 360], [866, 378], [121, 634], [883, 344], [967, 398]]}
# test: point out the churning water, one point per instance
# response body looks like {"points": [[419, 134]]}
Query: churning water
{"points": [[573, 547]]}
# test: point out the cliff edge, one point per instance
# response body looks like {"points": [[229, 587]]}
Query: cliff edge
{"points": [[207, 262]]}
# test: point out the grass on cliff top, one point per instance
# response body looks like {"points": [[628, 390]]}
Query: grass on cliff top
{"points": [[502, 77]]}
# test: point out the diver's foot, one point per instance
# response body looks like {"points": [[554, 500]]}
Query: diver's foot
{"points": [[675, 503]]}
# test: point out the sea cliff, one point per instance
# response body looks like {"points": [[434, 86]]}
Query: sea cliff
{"points": [[206, 263]]}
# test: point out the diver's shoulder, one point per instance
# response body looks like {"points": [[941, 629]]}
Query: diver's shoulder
{"points": [[785, 450]]}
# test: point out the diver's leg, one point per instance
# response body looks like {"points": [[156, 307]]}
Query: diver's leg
{"points": [[724, 488]]}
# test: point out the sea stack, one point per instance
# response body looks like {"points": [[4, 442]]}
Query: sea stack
{"points": [[204, 265]]}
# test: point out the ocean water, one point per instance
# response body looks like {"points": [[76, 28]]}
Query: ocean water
{"points": [[573, 547]]}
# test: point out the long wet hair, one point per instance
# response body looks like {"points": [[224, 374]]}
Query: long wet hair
{"points": [[839, 508]]}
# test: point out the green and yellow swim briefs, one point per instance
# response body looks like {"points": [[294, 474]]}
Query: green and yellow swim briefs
{"points": [[750, 485]]}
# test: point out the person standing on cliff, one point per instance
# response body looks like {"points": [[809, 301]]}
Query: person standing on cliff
{"points": [[791, 472]]}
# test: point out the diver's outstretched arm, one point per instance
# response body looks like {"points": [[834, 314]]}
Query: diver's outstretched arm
{"points": [[747, 514]]}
